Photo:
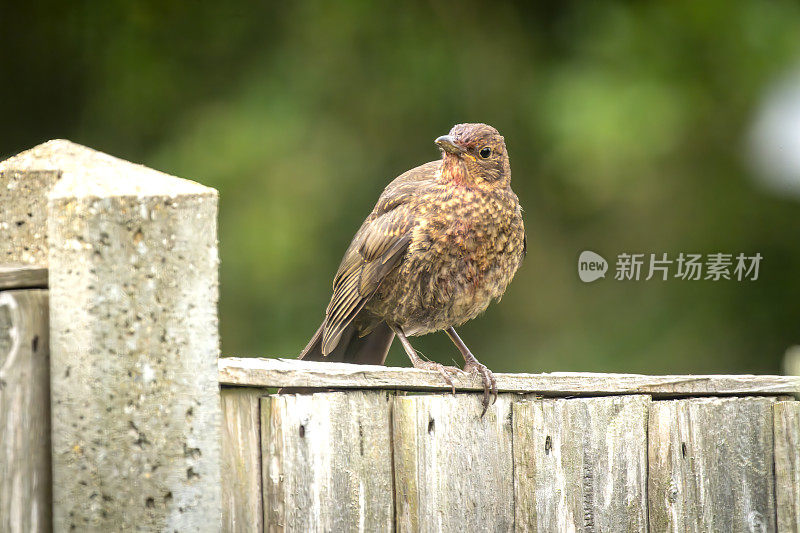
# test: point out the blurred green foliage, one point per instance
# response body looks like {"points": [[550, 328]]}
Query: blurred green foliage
{"points": [[626, 124]]}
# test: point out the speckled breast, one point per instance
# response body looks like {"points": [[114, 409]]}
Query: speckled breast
{"points": [[465, 249]]}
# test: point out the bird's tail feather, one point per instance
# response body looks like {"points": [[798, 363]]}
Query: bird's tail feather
{"points": [[371, 349]]}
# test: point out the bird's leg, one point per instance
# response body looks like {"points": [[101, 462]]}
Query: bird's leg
{"points": [[418, 362], [471, 364]]}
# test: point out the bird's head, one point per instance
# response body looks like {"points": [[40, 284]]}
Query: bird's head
{"points": [[475, 154]]}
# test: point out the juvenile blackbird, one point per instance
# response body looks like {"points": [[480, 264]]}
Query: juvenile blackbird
{"points": [[443, 241]]}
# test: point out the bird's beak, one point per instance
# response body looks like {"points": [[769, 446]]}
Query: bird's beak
{"points": [[447, 144]]}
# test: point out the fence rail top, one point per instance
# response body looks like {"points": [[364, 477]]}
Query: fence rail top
{"points": [[263, 372], [19, 276]]}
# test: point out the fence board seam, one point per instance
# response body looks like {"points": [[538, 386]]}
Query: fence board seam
{"points": [[646, 487], [786, 425], [513, 463], [260, 431], [391, 456]]}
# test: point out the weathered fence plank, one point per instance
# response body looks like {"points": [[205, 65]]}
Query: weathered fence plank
{"points": [[787, 465], [25, 481], [264, 372], [581, 464], [241, 460], [711, 465], [327, 462], [453, 469]]}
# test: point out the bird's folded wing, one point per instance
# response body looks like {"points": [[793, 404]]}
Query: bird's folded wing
{"points": [[375, 251]]}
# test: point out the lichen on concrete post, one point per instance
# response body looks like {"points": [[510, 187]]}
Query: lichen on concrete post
{"points": [[134, 346]]}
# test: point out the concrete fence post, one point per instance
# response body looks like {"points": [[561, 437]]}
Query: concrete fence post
{"points": [[133, 281]]}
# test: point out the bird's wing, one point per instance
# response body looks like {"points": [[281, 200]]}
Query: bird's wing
{"points": [[374, 252], [376, 249]]}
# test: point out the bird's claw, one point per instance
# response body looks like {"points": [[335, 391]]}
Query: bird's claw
{"points": [[447, 372], [489, 382]]}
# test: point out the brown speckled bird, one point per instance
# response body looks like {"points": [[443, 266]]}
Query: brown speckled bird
{"points": [[443, 241]]}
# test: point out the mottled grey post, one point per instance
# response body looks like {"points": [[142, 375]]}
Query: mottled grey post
{"points": [[24, 185], [134, 345]]}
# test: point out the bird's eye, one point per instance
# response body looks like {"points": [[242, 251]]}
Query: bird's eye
{"points": [[485, 152]]}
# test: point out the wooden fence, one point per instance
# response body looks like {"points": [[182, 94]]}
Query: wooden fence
{"points": [[557, 452], [117, 413]]}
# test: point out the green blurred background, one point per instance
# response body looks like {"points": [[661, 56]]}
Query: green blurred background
{"points": [[627, 126]]}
